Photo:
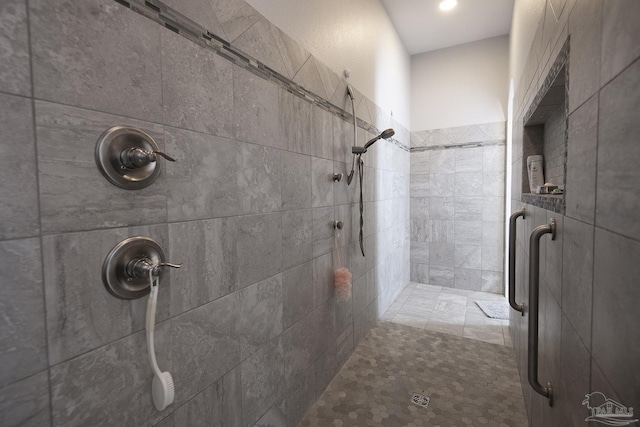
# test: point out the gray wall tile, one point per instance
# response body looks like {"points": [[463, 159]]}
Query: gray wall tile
{"points": [[259, 247], [15, 73], [261, 42], [617, 193], [553, 248], [81, 314], [255, 109], [619, 36], [322, 182], [259, 172], [443, 184], [493, 158], [235, 16], [201, 12], [323, 279], [295, 181], [420, 185], [442, 161], [295, 123], [73, 193], [297, 244], [468, 232], [469, 159], [322, 230], [116, 67], [442, 254], [300, 348], [468, 279], [197, 87], [205, 345], [466, 208], [19, 191], [202, 182], [23, 340], [468, 256], [118, 372], [321, 133], [260, 314], [26, 403], [208, 253], [581, 162], [308, 77], [297, 291], [262, 377], [615, 342]]}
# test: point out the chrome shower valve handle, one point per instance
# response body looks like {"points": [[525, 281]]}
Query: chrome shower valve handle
{"points": [[140, 268], [136, 157]]}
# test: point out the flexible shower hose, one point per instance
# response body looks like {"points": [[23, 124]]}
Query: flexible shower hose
{"points": [[361, 173]]}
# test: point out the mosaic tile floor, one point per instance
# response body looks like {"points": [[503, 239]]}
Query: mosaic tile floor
{"points": [[450, 311], [470, 383]]}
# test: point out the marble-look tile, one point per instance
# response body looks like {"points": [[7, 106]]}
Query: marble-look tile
{"points": [[235, 16], [420, 162], [492, 184], [323, 279], [492, 233], [550, 334], [201, 182], [297, 290], [19, 191], [441, 276], [468, 256], [344, 193], [468, 279], [619, 38], [419, 272], [441, 208], [300, 348], [85, 390], [442, 161], [582, 143], [262, 377], [469, 159], [618, 155], [259, 174], [81, 314], [350, 217], [15, 73], [615, 339], [322, 182], [322, 233], [299, 397], [329, 78], [206, 343], [493, 158], [295, 122], [259, 247], [577, 276], [309, 78], [22, 336], [256, 109], [440, 231], [492, 281], [467, 209], [260, 314], [419, 252], [420, 185], [293, 54], [295, 181], [218, 404], [26, 403], [492, 208], [419, 208], [208, 253], [343, 313], [321, 133], [468, 232], [73, 193], [492, 258], [297, 244], [260, 41], [443, 184], [197, 86], [201, 12], [343, 140], [112, 65], [442, 254], [468, 184]]}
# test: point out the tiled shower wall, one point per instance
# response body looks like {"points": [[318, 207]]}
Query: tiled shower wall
{"points": [[457, 207], [249, 327], [589, 293]]}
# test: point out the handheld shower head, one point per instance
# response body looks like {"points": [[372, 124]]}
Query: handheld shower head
{"points": [[386, 134], [350, 92]]}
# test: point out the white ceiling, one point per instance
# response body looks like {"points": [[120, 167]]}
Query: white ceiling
{"points": [[422, 26]]}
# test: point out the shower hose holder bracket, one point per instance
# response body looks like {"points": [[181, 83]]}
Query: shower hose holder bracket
{"points": [[127, 267]]}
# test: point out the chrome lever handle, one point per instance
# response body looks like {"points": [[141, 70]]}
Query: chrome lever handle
{"points": [[167, 157], [136, 157]]}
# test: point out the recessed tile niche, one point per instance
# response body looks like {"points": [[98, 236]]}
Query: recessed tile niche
{"points": [[545, 133]]}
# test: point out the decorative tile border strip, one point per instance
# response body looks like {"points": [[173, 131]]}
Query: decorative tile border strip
{"points": [[180, 24], [450, 146], [545, 201]]}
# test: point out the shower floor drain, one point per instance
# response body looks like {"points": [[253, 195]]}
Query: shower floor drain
{"points": [[420, 400]]}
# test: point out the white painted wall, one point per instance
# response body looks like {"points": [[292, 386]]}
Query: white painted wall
{"points": [[461, 85], [354, 34]]}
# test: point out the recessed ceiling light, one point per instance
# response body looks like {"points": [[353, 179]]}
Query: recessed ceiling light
{"points": [[447, 4]]}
